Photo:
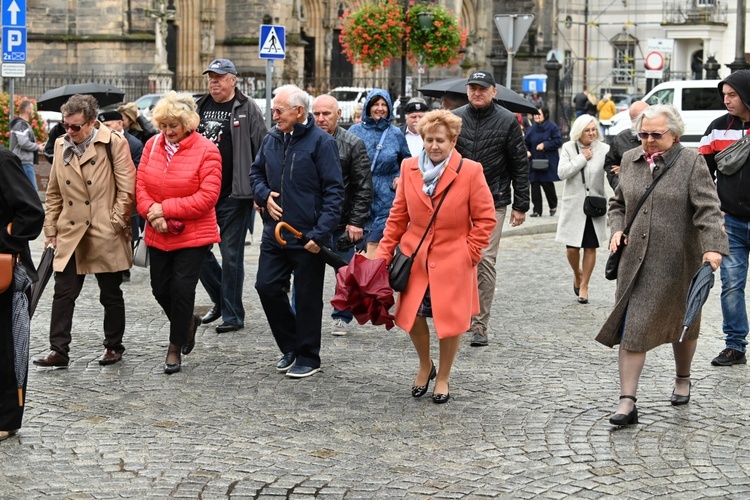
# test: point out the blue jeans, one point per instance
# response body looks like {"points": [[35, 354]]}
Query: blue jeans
{"points": [[224, 282], [345, 316], [28, 168], [733, 279]]}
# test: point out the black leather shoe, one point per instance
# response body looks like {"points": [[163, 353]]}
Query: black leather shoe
{"points": [[417, 391], [170, 368], [583, 300], [286, 362], [190, 344], [212, 315], [625, 419], [678, 400], [439, 399], [226, 327]]}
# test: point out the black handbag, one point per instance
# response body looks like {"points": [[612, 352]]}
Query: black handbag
{"points": [[539, 164], [400, 267], [613, 261], [595, 206]]}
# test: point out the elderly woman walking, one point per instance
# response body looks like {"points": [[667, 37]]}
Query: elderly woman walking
{"points": [[443, 280], [678, 227], [582, 168]]}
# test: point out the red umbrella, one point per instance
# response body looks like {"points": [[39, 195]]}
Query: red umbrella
{"points": [[362, 287]]}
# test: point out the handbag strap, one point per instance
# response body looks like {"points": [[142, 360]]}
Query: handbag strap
{"points": [[434, 214], [583, 177], [378, 149], [651, 188]]}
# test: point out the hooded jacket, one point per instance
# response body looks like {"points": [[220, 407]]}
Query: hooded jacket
{"points": [[387, 165], [734, 190], [22, 141], [493, 137], [307, 175]]}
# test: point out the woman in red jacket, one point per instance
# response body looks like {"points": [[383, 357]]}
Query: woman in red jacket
{"points": [[178, 184], [443, 280]]}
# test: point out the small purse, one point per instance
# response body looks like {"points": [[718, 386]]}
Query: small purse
{"points": [[539, 164], [140, 254], [595, 206], [400, 267]]}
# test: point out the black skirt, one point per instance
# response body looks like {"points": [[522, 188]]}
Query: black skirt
{"points": [[589, 235]]}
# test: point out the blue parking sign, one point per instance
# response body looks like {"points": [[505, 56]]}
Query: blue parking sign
{"points": [[14, 44]]}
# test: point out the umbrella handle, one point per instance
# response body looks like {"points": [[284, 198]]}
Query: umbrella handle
{"points": [[284, 225]]}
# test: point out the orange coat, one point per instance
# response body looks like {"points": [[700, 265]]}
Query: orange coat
{"points": [[449, 255]]}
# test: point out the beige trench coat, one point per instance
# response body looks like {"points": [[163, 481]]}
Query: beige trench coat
{"points": [[677, 224], [89, 203]]}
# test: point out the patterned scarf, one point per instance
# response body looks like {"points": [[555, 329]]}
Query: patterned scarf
{"points": [[171, 149], [71, 148], [430, 172], [651, 159]]}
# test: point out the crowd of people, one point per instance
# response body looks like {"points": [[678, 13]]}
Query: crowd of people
{"points": [[438, 189]]}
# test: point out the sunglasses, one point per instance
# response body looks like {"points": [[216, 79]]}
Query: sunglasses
{"points": [[278, 111], [655, 135], [74, 128]]}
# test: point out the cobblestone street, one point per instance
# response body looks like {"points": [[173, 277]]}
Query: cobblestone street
{"points": [[528, 415]]}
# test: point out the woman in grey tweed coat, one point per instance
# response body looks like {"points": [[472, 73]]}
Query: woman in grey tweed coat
{"points": [[677, 228]]}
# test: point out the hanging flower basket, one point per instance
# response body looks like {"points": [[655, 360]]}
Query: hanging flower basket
{"points": [[438, 45]]}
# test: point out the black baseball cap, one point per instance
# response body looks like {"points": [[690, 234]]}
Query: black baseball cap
{"points": [[109, 115], [483, 78], [221, 67]]}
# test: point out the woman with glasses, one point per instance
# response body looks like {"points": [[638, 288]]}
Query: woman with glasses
{"points": [[678, 227], [582, 168], [386, 147], [179, 180]]}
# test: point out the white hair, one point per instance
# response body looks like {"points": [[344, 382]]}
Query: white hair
{"points": [[674, 120], [295, 95], [581, 123]]}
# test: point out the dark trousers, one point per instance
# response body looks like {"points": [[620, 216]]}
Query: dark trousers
{"points": [[294, 332], [174, 276], [536, 195], [11, 412], [68, 286]]}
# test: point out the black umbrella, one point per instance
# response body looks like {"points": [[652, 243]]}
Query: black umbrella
{"points": [[700, 286], [20, 330], [328, 255], [53, 99], [45, 272], [505, 97]]}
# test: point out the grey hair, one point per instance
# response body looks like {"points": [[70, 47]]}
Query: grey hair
{"points": [[583, 121], [296, 96], [674, 120]]}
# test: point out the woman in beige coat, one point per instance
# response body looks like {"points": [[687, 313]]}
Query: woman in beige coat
{"points": [[89, 200], [678, 228], [581, 157]]}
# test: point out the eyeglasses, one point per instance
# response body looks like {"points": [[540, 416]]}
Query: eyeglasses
{"points": [[74, 128], [278, 111], [655, 135]]}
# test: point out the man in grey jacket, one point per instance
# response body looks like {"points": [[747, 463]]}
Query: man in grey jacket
{"points": [[235, 124], [355, 170], [22, 140]]}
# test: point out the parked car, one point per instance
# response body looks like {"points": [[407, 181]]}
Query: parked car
{"points": [[348, 97], [623, 101], [147, 102], [698, 102]]}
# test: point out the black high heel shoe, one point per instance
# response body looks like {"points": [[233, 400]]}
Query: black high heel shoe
{"points": [[625, 419], [190, 344], [170, 368], [678, 400], [439, 399], [417, 391]]}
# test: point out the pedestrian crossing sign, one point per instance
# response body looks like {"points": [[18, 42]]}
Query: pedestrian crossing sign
{"points": [[272, 42]]}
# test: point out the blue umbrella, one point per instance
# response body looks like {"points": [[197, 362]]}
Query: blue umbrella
{"points": [[700, 286]]}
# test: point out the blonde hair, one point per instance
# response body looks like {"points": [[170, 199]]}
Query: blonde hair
{"points": [[174, 106], [357, 113], [431, 121]]}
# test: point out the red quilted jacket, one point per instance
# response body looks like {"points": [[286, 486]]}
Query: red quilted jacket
{"points": [[188, 190]]}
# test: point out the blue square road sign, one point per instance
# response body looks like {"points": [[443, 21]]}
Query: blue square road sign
{"points": [[14, 12], [14, 44]]}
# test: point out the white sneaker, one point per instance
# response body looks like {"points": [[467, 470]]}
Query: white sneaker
{"points": [[340, 328]]}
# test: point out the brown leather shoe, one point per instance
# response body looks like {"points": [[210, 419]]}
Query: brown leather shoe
{"points": [[110, 357], [54, 358]]}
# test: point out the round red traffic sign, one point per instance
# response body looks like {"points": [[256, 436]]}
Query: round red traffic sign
{"points": [[654, 61]]}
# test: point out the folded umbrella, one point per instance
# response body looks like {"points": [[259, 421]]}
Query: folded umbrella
{"points": [[328, 255], [45, 273], [505, 97], [700, 287], [362, 288], [20, 329], [105, 95]]}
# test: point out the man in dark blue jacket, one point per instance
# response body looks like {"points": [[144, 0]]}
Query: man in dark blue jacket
{"points": [[297, 179]]}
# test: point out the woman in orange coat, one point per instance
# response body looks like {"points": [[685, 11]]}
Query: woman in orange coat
{"points": [[451, 250]]}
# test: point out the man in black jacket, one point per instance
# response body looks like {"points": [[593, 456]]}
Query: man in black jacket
{"points": [[355, 169], [623, 141], [492, 136], [734, 195]]}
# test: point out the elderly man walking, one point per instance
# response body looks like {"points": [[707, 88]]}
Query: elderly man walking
{"points": [[492, 136], [235, 124], [296, 179], [357, 177]]}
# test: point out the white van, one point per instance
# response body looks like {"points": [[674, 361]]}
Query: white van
{"points": [[698, 102]]}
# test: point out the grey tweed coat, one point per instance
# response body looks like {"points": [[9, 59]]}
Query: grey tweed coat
{"points": [[679, 222]]}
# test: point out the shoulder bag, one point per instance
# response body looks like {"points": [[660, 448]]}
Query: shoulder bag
{"points": [[593, 206], [400, 267], [7, 263], [613, 261], [140, 253], [733, 158], [539, 164]]}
